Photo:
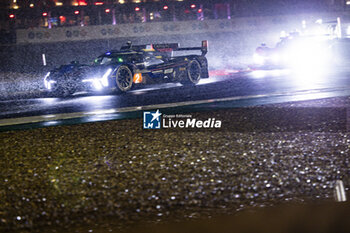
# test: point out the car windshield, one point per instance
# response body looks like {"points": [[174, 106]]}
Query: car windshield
{"points": [[104, 60]]}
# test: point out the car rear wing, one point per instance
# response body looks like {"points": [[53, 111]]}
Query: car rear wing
{"points": [[175, 47], [165, 48]]}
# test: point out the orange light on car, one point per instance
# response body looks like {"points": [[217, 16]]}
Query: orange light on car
{"points": [[137, 78]]}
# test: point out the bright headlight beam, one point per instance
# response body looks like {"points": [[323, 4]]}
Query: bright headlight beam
{"points": [[104, 80], [259, 60], [45, 80]]}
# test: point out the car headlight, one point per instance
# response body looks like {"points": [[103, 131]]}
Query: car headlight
{"points": [[258, 59], [104, 80], [46, 83]]}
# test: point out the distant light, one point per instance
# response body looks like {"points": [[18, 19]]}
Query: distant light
{"points": [[165, 7], [347, 2], [98, 3], [193, 6], [121, 1], [76, 12], [31, 5], [15, 7], [76, 4], [199, 10], [12, 16], [82, 3], [107, 10], [137, 8], [59, 4], [120, 59], [108, 53], [45, 14]]}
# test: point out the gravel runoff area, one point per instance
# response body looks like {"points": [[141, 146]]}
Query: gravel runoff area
{"points": [[109, 176]]}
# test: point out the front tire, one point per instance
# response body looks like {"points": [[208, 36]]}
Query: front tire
{"points": [[123, 79], [193, 73]]}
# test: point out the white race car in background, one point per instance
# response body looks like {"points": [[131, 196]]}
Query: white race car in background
{"points": [[296, 52]]}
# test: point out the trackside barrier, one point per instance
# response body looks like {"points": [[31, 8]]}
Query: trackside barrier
{"points": [[236, 25]]}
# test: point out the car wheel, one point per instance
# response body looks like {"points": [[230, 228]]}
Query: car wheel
{"points": [[123, 78], [193, 73]]}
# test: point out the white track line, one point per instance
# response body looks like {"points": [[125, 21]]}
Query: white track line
{"points": [[65, 116]]}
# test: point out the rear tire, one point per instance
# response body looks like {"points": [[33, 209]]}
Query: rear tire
{"points": [[193, 73], [123, 79]]}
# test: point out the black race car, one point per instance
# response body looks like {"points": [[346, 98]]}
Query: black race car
{"points": [[121, 70]]}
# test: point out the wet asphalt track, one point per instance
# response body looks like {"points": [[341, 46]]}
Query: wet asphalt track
{"points": [[241, 84]]}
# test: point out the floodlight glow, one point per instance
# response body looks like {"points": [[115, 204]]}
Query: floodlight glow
{"points": [[258, 59], [307, 55]]}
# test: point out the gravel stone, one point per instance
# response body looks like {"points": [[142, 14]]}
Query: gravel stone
{"points": [[86, 174]]}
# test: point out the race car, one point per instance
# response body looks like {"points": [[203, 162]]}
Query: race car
{"points": [[265, 56], [295, 52], [132, 65]]}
